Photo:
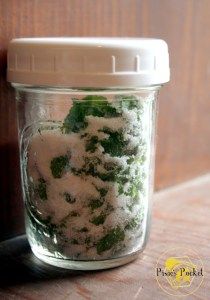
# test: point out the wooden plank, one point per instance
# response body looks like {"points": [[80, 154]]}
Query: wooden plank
{"points": [[180, 219]]}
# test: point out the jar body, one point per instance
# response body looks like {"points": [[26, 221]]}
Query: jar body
{"points": [[87, 165]]}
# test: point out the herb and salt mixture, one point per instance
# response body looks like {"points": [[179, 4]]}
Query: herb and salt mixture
{"points": [[87, 179]]}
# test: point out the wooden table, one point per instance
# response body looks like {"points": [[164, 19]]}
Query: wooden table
{"points": [[181, 217]]}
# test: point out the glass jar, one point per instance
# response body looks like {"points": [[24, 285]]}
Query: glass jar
{"points": [[87, 153]]}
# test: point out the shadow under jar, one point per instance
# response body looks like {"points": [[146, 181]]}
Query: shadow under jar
{"points": [[86, 114]]}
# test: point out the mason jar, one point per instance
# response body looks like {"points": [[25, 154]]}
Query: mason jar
{"points": [[86, 116]]}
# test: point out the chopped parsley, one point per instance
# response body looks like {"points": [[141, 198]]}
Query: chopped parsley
{"points": [[113, 237], [114, 144], [91, 105], [91, 145], [42, 189], [83, 229], [133, 223], [69, 198], [98, 220], [95, 203], [74, 214], [129, 102], [58, 165], [102, 191]]}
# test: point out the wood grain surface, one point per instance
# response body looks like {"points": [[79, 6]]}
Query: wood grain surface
{"points": [[183, 149], [180, 219]]}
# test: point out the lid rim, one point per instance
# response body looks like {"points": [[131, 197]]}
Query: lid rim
{"points": [[104, 61]]}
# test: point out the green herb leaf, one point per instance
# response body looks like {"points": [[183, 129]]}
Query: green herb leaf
{"points": [[74, 242], [102, 191], [75, 120], [42, 189], [95, 203], [83, 229], [69, 198], [114, 144], [98, 220], [128, 101], [134, 189], [133, 223], [74, 214], [58, 165], [110, 176], [100, 107], [88, 240], [91, 145], [92, 105], [113, 237]]}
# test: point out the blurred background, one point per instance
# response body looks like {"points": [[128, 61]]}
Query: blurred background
{"points": [[183, 145]]}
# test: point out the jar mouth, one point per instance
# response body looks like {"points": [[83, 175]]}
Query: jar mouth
{"points": [[85, 90]]}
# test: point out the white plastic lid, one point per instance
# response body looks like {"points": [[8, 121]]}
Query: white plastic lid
{"points": [[88, 62]]}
